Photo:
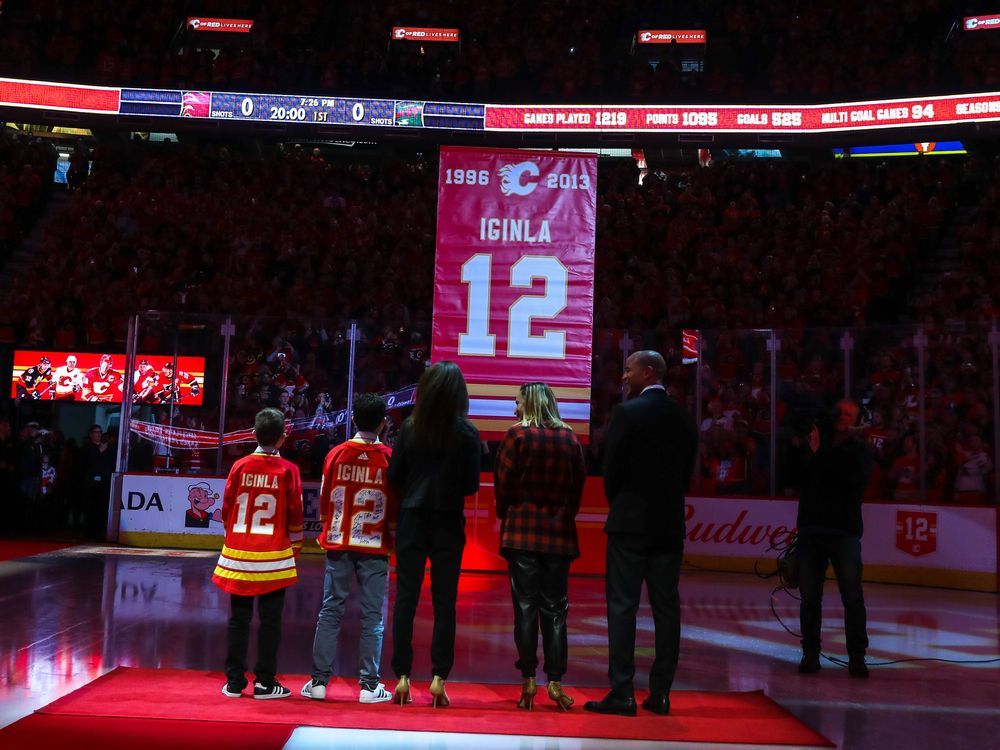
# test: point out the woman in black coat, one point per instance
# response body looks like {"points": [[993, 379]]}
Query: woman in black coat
{"points": [[435, 464]]}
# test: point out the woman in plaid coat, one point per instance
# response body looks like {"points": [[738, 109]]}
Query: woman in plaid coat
{"points": [[539, 482]]}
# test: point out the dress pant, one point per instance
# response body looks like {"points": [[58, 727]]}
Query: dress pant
{"points": [[422, 535], [269, 610], [816, 551], [632, 559], [538, 587]]}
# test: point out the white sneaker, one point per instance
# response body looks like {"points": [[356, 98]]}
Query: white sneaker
{"points": [[377, 695], [314, 689]]}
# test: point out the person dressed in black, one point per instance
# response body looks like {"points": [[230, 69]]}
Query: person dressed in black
{"points": [[649, 459], [29, 467], [837, 466], [8, 464], [98, 464], [435, 464]]}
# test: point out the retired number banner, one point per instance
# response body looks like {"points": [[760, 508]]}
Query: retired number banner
{"points": [[514, 278]]}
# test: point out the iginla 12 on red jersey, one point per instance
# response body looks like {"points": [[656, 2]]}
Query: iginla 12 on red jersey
{"points": [[262, 515], [357, 505]]}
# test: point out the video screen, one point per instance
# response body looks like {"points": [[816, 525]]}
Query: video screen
{"points": [[100, 378]]}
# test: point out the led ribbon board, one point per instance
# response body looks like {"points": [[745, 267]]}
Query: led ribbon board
{"points": [[511, 118]]}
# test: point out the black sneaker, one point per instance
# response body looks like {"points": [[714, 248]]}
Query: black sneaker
{"points": [[809, 663], [232, 691], [266, 692], [856, 667]]}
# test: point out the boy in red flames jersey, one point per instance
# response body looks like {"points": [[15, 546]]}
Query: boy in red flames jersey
{"points": [[359, 518], [262, 515]]}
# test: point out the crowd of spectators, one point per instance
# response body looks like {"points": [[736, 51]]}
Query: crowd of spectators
{"points": [[52, 482], [295, 244], [558, 50], [26, 167]]}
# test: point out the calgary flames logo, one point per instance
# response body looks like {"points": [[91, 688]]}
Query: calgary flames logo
{"points": [[518, 179]]}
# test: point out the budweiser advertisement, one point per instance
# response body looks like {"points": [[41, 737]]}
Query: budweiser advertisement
{"points": [[671, 36], [981, 23], [423, 34], [514, 278], [227, 25], [100, 378]]}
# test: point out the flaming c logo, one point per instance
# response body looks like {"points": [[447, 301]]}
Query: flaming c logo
{"points": [[646, 36], [518, 179], [400, 33], [195, 23]]}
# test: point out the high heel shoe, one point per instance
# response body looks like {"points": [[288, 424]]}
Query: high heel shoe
{"points": [[557, 696], [402, 695], [528, 690], [439, 697]]}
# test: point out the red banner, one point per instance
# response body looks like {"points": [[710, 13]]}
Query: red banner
{"points": [[671, 36], [514, 278], [415, 34], [690, 346], [981, 23], [99, 378], [229, 25]]}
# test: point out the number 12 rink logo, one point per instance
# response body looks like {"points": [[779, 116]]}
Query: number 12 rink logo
{"points": [[916, 532]]}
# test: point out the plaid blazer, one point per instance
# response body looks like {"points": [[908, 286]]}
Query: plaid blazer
{"points": [[538, 484]]}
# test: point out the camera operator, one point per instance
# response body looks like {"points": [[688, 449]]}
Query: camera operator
{"points": [[838, 463]]}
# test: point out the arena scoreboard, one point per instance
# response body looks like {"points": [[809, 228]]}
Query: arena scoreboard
{"points": [[500, 118]]}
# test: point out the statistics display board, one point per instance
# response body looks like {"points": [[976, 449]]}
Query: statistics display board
{"points": [[514, 278], [603, 118]]}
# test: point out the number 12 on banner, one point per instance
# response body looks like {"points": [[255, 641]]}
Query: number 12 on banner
{"points": [[478, 341]]}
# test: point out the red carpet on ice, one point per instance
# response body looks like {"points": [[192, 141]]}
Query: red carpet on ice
{"points": [[43, 731], [173, 694]]}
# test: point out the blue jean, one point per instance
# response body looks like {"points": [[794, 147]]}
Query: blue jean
{"points": [[372, 572], [816, 551]]}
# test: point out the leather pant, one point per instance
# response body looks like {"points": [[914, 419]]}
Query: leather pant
{"points": [[538, 587]]}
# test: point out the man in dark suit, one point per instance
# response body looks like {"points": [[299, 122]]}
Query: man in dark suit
{"points": [[649, 459]]}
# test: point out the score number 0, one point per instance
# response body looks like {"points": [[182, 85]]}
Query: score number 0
{"points": [[478, 341]]}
